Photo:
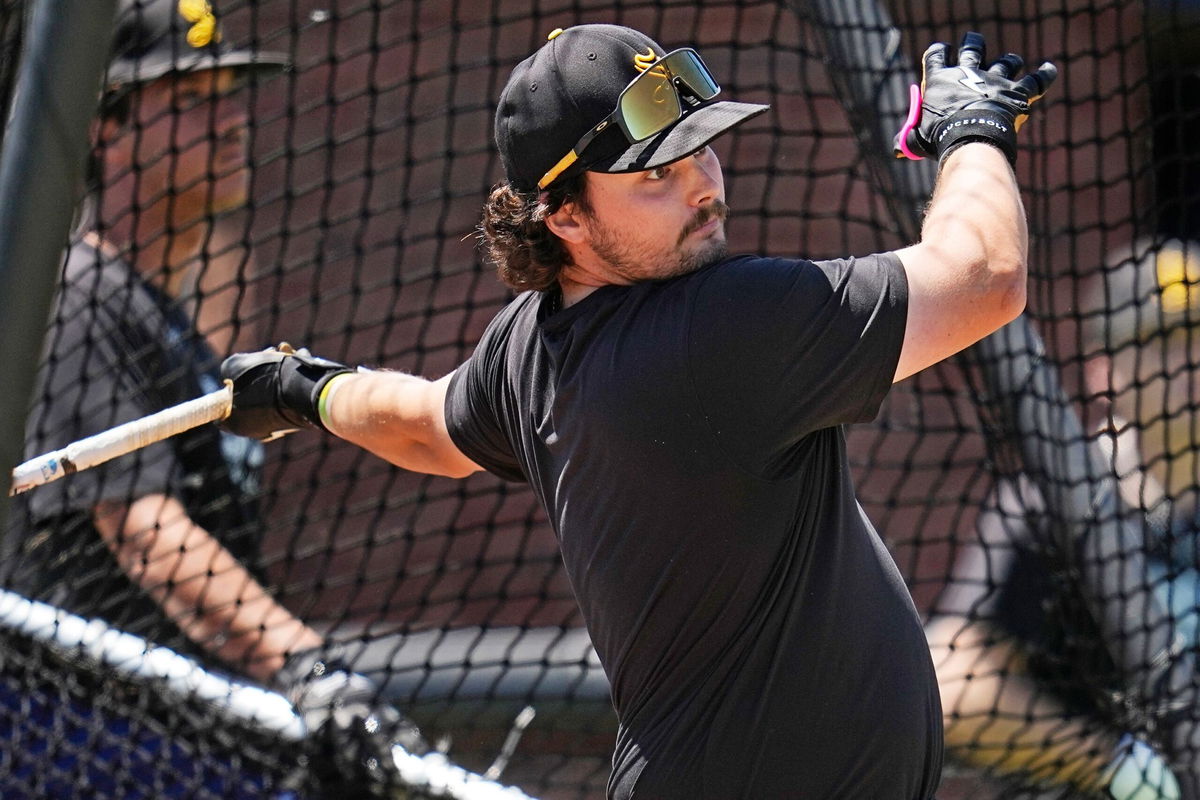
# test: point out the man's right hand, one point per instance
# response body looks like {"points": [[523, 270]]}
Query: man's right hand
{"points": [[277, 390]]}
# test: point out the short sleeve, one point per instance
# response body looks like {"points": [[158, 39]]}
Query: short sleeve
{"points": [[88, 383], [475, 400], [781, 348]]}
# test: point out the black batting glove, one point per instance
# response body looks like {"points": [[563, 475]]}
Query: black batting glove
{"points": [[352, 731], [276, 391], [959, 104]]}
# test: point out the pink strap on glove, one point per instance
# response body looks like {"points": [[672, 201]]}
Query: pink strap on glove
{"points": [[914, 116]]}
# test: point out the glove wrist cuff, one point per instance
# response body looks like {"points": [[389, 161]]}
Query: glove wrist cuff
{"points": [[977, 125], [325, 397], [302, 379], [317, 417]]}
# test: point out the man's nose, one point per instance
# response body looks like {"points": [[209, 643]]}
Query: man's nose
{"points": [[705, 174]]}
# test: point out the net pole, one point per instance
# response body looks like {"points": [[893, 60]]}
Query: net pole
{"points": [[871, 78], [1022, 394], [41, 170]]}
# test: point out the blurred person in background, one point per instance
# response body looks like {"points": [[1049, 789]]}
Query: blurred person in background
{"points": [[164, 542], [1029, 685]]}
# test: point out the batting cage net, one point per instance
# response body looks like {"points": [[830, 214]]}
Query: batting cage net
{"points": [[1039, 492]]}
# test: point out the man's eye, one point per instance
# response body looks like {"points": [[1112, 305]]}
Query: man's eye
{"points": [[658, 173]]}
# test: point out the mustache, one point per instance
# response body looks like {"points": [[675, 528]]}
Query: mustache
{"points": [[716, 208]]}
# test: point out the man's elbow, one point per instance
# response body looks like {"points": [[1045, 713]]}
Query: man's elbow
{"points": [[1013, 299], [460, 469], [1008, 289]]}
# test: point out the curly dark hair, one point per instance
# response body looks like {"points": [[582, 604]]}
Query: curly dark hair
{"points": [[515, 238]]}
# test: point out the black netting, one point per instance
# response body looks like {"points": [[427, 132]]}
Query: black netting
{"points": [[1038, 493], [72, 728]]}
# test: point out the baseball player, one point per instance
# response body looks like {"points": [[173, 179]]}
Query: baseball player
{"points": [[680, 412], [163, 542]]}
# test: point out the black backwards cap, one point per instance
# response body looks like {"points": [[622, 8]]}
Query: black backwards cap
{"points": [[573, 82], [154, 38]]}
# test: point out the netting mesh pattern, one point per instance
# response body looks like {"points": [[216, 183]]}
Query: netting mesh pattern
{"points": [[371, 155], [71, 729]]}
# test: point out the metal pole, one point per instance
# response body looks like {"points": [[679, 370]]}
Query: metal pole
{"points": [[1023, 398], [41, 169], [871, 76]]}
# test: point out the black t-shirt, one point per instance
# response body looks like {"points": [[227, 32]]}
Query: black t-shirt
{"points": [[685, 439], [117, 350]]}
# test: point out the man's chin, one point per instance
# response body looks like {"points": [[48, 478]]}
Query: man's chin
{"points": [[712, 251]]}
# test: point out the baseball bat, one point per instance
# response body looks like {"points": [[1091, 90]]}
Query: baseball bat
{"points": [[1022, 396], [122, 439]]}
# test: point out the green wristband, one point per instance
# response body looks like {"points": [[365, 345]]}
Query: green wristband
{"points": [[326, 396]]}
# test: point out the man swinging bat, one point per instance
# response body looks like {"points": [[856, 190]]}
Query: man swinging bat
{"points": [[679, 412]]}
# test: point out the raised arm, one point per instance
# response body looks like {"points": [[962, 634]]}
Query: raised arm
{"points": [[397, 417], [967, 274], [966, 277]]}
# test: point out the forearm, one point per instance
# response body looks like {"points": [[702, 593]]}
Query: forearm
{"points": [[201, 587], [397, 417], [976, 221], [966, 277]]}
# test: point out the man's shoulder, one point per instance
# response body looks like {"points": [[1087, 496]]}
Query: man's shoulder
{"points": [[778, 265], [520, 310], [96, 278], [746, 277], [523, 303], [749, 266], [753, 276], [515, 322]]}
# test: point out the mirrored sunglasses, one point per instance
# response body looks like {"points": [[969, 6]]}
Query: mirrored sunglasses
{"points": [[651, 103]]}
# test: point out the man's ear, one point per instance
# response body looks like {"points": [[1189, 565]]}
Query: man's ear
{"points": [[568, 223]]}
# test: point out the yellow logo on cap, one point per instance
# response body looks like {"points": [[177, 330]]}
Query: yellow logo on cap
{"points": [[1178, 274], [204, 22], [643, 60]]}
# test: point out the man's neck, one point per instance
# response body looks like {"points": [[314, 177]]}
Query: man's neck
{"points": [[585, 274], [573, 291]]}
